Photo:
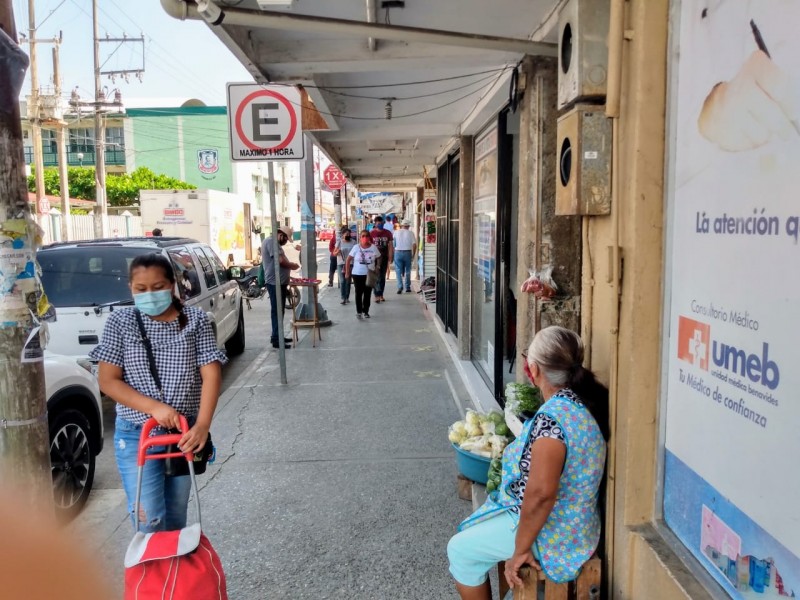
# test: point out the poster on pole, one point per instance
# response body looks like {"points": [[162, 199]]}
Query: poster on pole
{"points": [[732, 391], [265, 122]]}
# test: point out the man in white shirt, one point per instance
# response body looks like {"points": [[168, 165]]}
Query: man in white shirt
{"points": [[405, 247]]}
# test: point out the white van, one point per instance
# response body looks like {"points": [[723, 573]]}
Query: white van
{"points": [[86, 280]]}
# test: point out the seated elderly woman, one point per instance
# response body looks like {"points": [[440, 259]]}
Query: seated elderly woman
{"points": [[544, 513]]}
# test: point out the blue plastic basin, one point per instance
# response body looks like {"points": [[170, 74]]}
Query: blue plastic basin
{"points": [[472, 466]]}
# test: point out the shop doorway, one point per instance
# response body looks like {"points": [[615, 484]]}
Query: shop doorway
{"points": [[494, 263], [447, 244]]}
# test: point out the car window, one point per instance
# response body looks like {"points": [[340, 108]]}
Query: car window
{"points": [[222, 272], [208, 270], [88, 275], [185, 272]]}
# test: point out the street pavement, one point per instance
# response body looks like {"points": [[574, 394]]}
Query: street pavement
{"points": [[341, 484]]}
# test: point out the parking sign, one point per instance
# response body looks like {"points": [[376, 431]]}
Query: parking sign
{"points": [[265, 122]]}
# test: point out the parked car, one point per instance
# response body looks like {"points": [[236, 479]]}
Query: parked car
{"points": [[75, 419], [86, 281], [326, 235]]}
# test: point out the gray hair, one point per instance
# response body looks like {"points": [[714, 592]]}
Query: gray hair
{"points": [[559, 354]]}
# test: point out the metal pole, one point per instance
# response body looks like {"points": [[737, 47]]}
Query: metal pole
{"points": [[24, 448], [36, 121], [276, 253], [101, 210], [61, 143]]}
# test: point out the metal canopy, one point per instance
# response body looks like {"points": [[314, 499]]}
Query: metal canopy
{"points": [[439, 69]]}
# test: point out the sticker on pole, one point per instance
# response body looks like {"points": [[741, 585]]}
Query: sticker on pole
{"points": [[265, 122]]}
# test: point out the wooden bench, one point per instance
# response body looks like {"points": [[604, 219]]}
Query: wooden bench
{"points": [[586, 587]]}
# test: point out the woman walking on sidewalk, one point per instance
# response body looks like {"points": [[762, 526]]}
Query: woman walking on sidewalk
{"points": [[344, 245], [188, 366], [361, 260]]}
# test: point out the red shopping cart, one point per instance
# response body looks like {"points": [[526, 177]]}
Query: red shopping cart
{"points": [[180, 564]]}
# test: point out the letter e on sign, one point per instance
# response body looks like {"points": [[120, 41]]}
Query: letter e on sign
{"points": [[265, 122]]}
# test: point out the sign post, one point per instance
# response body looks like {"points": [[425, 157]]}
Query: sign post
{"points": [[334, 178], [265, 123]]}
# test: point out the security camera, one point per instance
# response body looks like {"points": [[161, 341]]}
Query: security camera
{"points": [[210, 12]]}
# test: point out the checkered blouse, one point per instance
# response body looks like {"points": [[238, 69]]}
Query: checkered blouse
{"points": [[179, 354]]}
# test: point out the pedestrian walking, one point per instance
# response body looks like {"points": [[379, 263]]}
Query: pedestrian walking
{"points": [[286, 267], [182, 379], [332, 267], [383, 241], [405, 248], [344, 245], [362, 264], [545, 513]]}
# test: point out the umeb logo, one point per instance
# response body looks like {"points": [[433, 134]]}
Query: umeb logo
{"points": [[695, 346], [694, 342]]}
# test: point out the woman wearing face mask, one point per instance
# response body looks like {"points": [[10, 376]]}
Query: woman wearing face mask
{"points": [[343, 247], [189, 367], [362, 258]]}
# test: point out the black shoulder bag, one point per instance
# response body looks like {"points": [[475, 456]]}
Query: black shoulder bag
{"points": [[173, 467]]}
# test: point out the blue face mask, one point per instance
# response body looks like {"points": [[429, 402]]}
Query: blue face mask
{"points": [[379, 225], [153, 303]]}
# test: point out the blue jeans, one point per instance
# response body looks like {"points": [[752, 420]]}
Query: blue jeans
{"points": [[332, 270], [402, 264], [344, 284], [164, 499], [273, 305], [383, 266]]}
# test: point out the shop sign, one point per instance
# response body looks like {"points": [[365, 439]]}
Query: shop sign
{"points": [[731, 388]]}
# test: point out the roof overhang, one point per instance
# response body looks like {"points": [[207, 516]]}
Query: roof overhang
{"points": [[396, 86]]}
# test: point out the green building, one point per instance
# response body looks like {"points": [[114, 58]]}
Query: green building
{"points": [[187, 142]]}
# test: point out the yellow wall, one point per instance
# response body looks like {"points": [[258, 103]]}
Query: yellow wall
{"points": [[625, 345]]}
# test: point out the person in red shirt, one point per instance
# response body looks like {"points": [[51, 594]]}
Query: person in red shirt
{"points": [[334, 260], [382, 239]]}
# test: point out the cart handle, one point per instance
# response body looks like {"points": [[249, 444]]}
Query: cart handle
{"points": [[146, 442]]}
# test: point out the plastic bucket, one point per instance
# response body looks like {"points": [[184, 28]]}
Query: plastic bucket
{"points": [[472, 466]]}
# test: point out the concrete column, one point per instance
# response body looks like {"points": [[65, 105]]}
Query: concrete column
{"points": [[466, 164], [543, 238], [308, 238]]}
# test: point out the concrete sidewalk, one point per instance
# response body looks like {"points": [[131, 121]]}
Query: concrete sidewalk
{"points": [[340, 484]]}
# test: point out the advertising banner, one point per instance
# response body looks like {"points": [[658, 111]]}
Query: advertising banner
{"points": [[731, 488]]}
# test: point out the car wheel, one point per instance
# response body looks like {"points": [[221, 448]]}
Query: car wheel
{"points": [[235, 345], [72, 461]]}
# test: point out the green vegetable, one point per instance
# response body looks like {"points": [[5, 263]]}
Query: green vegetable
{"points": [[495, 475], [523, 398]]}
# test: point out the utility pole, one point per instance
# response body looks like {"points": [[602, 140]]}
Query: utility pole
{"points": [[61, 143], [24, 448], [101, 209], [34, 110]]}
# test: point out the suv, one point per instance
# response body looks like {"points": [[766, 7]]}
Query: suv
{"points": [[86, 280], [75, 420]]}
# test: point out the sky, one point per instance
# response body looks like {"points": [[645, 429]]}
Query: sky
{"points": [[182, 59]]}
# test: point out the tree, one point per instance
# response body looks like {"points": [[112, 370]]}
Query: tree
{"points": [[122, 189]]}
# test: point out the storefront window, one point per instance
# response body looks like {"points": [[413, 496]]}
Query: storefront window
{"points": [[731, 442], [484, 264]]}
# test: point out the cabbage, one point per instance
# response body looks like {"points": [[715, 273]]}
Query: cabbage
{"points": [[503, 430], [474, 429], [459, 427], [455, 436], [496, 417]]}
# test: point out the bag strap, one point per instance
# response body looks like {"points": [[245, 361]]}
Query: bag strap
{"points": [[151, 359]]}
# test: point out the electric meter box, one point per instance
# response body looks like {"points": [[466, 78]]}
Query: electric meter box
{"points": [[583, 185], [582, 51]]}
